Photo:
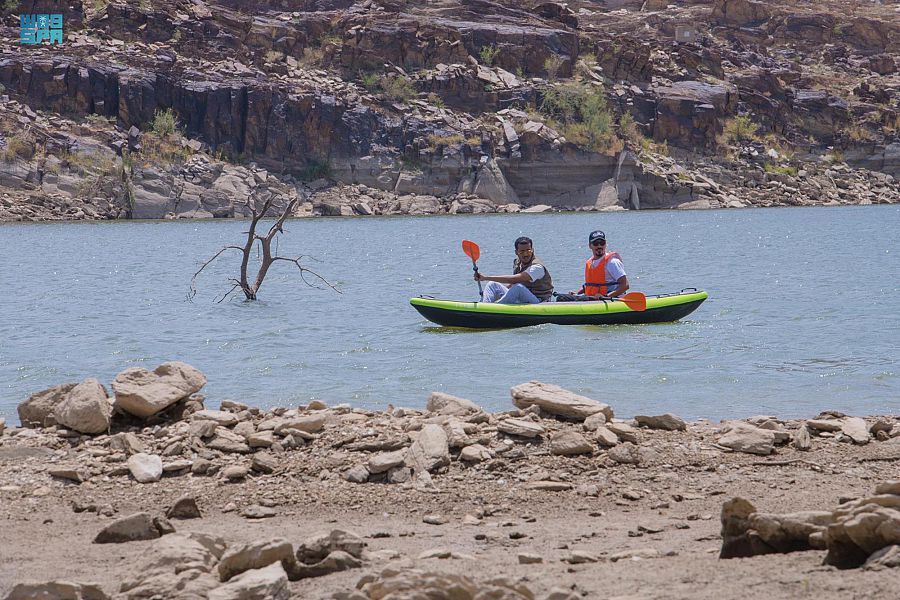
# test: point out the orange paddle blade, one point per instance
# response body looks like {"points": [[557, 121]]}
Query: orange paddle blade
{"points": [[634, 300], [471, 249]]}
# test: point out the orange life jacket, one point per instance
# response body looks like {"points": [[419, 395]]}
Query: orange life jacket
{"points": [[595, 277]]}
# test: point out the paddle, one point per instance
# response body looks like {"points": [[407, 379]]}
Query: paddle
{"points": [[473, 251], [636, 301]]}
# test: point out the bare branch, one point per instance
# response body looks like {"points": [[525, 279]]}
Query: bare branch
{"points": [[304, 270], [193, 289]]}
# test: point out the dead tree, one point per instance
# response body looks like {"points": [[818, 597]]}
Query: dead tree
{"points": [[259, 203]]}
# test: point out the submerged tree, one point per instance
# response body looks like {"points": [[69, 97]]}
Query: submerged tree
{"points": [[260, 202]]}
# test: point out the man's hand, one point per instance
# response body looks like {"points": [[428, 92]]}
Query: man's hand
{"points": [[480, 277]]}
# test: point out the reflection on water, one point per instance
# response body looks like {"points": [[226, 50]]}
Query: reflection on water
{"points": [[777, 334]]}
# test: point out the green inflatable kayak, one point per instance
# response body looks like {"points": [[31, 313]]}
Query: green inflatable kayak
{"points": [[661, 308]]}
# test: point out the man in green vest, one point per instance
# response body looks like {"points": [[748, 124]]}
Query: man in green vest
{"points": [[530, 282]]}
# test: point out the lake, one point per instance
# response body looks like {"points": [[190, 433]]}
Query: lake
{"points": [[803, 314]]}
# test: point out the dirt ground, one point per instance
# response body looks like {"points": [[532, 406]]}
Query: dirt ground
{"points": [[669, 506]]}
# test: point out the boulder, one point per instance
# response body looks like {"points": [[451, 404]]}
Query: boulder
{"points": [[667, 422], [606, 437], [36, 411], [144, 393], [741, 13], [557, 401], [856, 429], [743, 437], [184, 508], [220, 417], [226, 440], [255, 555], [445, 404], [319, 546], [268, 583], [385, 461], [176, 566], [475, 453], [626, 454], [57, 590], [139, 526], [85, 409], [333, 563], [430, 451], [569, 443], [307, 424], [145, 468], [520, 428]]}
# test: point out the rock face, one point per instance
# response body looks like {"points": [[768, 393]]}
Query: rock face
{"points": [[144, 393], [557, 401], [85, 408]]}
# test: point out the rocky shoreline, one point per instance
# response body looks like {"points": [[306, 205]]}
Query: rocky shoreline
{"points": [[146, 493]]}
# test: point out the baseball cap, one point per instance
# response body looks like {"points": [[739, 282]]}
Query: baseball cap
{"points": [[596, 235]]}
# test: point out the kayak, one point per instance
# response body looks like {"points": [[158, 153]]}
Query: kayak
{"points": [[661, 308]]}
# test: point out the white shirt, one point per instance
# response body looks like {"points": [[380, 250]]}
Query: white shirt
{"points": [[535, 272]]}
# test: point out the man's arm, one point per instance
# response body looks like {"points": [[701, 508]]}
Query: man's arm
{"points": [[522, 277], [621, 287]]}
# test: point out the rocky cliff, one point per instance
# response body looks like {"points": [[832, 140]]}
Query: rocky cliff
{"points": [[184, 107]]}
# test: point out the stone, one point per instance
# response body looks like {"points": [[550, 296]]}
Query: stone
{"points": [[557, 401], [667, 422], [335, 562], [357, 474], [594, 421], [246, 430], [624, 432], [445, 404], [220, 417], [255, 555], [36, 411], [145, 468], [385, 461], [888, 487], [399, 475], [579, 557], [267, 583], [549, 486], [569, 443], [626, 454], [856, 429], [306, 424], [144, 393], [639, 553], [128, 443], [139, 526], [235, 472], [175, 566], [743, 437], [319, 546], [831, 425], [526, 558], [605, 437], [226, 440], [474, 453], [435, 520], [85, 409], [255, 511], [885, 558], [261, 439], [57, 590], [263, 462], [68, 473], [520, 428], [430, 451], [2, 426], [802, 440], [184, 508], [203, 429]]}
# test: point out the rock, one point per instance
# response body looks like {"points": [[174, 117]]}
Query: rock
{"points": [[549, 486], [856, 429], [624, 432], [145, 468], [888, 487], [176, 566], [184, 508], [580, 557], [594, 421], [802, 439], [639, 553], [824, 424], [737, 538], [220, 417], [203, 429], [226, 440], [558, 401], [139, 526], [742, 437], [144, 393], [408, 583], [333, 563], [530, 559], [886, 558], [357, 474], [399, 475], [261, 439], [235, 472], [475, 453], [128, 443], [37, 409], [667, 422], [520, 428], [435, 520], [2, 426], [626, 454], [569, 443], [255, 555], [268, 583], [255, 511], [319, 546], [263, 462], [57, 590], [605, 437], [68, 473], [385, 461], [445, 404], [430, 451], [85, 409]]}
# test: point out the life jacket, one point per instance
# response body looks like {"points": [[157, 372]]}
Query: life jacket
{"points": [[543, 287], [595, 276]]}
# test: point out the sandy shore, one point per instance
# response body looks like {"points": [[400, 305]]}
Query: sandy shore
{"points": [[590, 524]]}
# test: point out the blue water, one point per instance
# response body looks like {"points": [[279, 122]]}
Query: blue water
{"points": [[802, 315]]}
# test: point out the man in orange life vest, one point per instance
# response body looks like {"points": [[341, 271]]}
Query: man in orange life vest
{"points": [[604, 273]]}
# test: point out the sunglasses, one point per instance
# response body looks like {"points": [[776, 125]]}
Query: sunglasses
{"points": [[598, 242]]}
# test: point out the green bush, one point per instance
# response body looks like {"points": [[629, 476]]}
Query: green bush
{"points": [[740, 129], [397, 87], [552, 66], [315, 169], [582, 114], [488, 54], [781, 169], [164, 123]]}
